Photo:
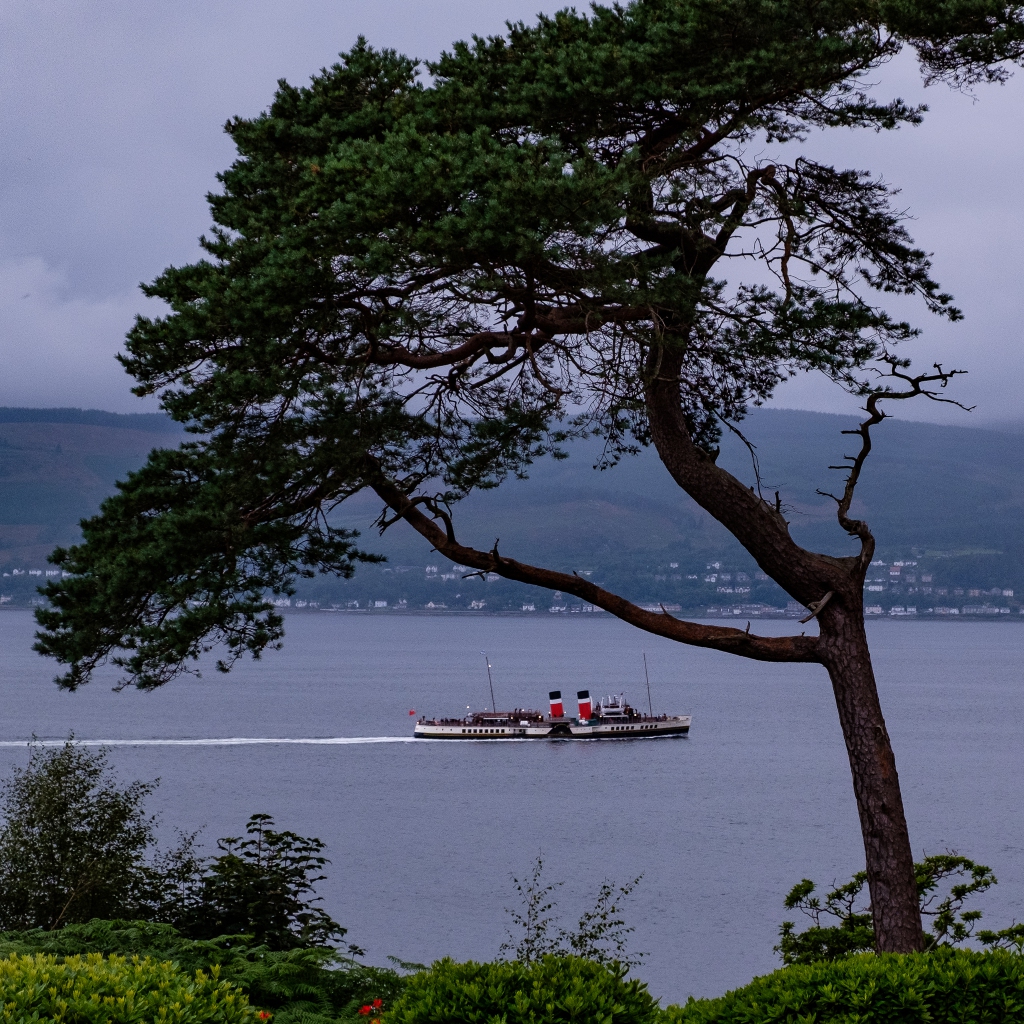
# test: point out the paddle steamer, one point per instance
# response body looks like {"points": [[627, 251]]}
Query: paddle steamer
{"points": [[609, 719]]}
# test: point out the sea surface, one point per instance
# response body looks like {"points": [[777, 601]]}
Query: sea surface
{"points": [[425, 837]]}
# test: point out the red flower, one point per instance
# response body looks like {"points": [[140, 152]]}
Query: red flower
{"points": [[378, 1003], [263, 1015], [364, 1010]]}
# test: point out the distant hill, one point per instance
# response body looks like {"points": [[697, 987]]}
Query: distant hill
{"points": [[57, 465], [951, 495], [152, 422], [926, 488]]}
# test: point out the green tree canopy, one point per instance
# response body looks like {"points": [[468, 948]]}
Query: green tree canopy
{"points": [[429, 282], [261, 886], [422, 277], [72, 842]]}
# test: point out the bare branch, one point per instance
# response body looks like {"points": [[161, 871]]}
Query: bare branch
{"points": [[751, 447], [917, 385]]}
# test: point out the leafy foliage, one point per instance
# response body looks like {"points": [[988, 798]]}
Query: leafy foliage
{"points": [[299, 986], [946, 986], [72, 843], [545, 991], [74, 846], [261, 886], [942, 899], [427, 282], [93, 989], [600, 935]]}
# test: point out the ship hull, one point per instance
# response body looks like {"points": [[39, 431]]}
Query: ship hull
{"points": [[676, 725]]}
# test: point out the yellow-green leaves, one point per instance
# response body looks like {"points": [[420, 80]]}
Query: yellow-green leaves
{"points": [[552, 990], [93, 989], [944, 987]]}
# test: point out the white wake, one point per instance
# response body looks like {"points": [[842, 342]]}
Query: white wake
{"points": [[230, 741]]}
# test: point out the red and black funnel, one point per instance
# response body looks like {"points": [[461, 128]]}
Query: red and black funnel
{"points": [[583, 697], [557, 711]]}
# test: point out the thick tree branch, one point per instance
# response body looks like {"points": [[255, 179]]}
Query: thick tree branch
{"points": [[719, 638], [756, 523], [536, 329]]}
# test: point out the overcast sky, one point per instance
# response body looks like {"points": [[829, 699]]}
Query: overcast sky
{"points": [[111, 120]]}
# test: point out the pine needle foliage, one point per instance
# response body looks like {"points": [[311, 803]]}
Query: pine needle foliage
{"points": [[423, 277]]}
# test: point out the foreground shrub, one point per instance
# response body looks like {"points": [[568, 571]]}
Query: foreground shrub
{"points": [[75, 845], [261, 885], [601, 935], [942, 987], [72, 841], [307, 985], [553, 989], [114, 990], [841, 921]]}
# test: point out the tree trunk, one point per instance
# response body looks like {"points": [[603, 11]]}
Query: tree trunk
{"points": [[890, 863]]}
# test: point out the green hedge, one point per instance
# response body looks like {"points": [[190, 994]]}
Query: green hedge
{"points": [[550, 991], [299, 986], [948, 986], [94, 989]]}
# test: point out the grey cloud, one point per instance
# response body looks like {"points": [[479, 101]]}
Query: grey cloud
{"points": [[112, 120]]}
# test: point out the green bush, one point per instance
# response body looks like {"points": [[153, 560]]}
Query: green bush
{"points": [[839, 926], [261, 886], [297, 985], [114, 990], [72, 842], [942, 987], [76, 846], [553, 989]]}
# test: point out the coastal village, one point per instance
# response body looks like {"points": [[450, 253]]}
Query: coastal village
{"points": [[897, 589]]}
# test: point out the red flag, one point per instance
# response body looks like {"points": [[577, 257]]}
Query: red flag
{"points": [[413, 712]]}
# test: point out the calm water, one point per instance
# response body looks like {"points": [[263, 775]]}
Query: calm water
{"points": [[425, 836]]}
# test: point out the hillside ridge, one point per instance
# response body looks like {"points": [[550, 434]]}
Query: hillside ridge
{"points": [[949, 496]]}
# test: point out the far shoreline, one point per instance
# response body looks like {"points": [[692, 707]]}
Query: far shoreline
{"points": [[694, 615]]}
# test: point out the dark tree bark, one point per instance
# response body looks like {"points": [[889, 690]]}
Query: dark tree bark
{"points": [[843, 649]]}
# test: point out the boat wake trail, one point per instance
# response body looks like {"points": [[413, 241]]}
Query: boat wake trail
{"points": [[232, 741]]}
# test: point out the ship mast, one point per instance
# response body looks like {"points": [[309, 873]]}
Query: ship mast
{"points": [[650, 707], [490, 683]]}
